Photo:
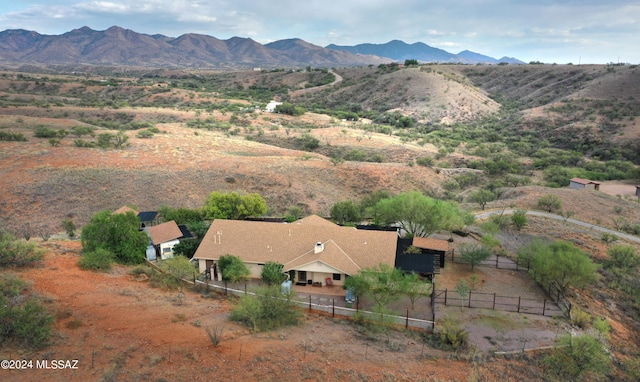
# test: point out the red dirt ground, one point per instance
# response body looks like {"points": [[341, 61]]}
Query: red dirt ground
{"points": [[122, 329]]}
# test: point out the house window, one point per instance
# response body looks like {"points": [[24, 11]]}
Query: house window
{"points": [[166, 249], [302, 275], [336, 277]]}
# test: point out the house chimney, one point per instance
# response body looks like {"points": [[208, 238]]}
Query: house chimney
{"points": [[318, 248]]}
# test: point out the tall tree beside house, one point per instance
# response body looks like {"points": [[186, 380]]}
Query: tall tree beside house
{"points": [[117, 233], [383, 284], [232, 269], [233, 206], [272, 274], [418, 214]]}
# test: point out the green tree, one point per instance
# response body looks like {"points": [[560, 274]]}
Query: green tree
{"points": [[463, 291], [519, 219], [232, 269], [358, 285], [181, 215], [482, 197], [562, 265], [414, 287], [69, 227], [384, 285], [117, 233], [294, 213], [345, 211], [233, 206], [474, 254], [368, 202], [549, 203], [417, 214], [188, 247], [272, 274]]}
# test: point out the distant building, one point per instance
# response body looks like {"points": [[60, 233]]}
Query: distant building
{"points": [[580, 184], [271, 106], [163, 237]]}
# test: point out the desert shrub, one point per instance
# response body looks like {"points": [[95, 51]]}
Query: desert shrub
{"points": [[265, 311], [578, 358], [145, 134], [179, 267], [17, 253], [425, 161], [10, 136], [99, 260], [164, 281], [450, 335], [142, 270], [44, 132], [83, 143], [23, 320], [580, 318], [214, 333]]}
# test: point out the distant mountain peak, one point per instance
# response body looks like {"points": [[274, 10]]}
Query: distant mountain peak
{"points": [[399, 50]]}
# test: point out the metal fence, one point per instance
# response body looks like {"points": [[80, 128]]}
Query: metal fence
{"points": [[335, 310], [495, 302]]}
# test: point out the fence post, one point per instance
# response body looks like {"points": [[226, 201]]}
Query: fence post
{"points": [[469, 299], [333, 309], [445, 296], [519, 304], [544, 306], [494, 301], [497, 258], [406, 324], [309, 303]]}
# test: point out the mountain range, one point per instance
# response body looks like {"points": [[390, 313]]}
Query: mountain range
{"points": [[399, 51], [117, 46]]}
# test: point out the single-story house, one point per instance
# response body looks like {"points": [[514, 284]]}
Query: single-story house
{"points": [[426, 257], [312, 249], [162, 239], [579, 183]]}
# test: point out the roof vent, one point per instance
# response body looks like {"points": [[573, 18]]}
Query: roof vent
{"points": [[318, 248]]}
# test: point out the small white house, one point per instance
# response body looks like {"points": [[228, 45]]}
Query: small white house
{"points": [[163, 237], [271, 106]]}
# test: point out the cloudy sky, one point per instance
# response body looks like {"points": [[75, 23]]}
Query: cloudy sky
{"points": [[576, 31]]}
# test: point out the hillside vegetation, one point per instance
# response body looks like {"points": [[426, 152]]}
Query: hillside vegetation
{"points": [[496, 137]]}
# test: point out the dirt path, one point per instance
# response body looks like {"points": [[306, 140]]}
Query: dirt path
{"points": [[547, 215]]}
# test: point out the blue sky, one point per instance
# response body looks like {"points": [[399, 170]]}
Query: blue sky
{"points": [[576, 31]]}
